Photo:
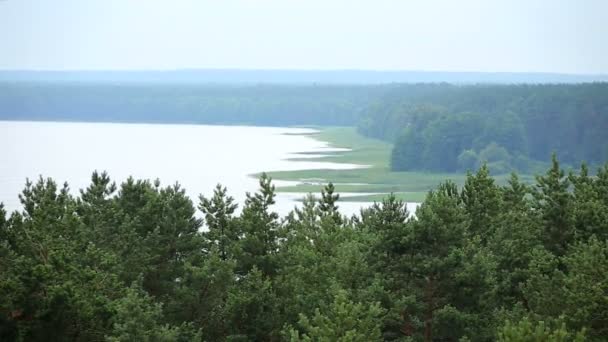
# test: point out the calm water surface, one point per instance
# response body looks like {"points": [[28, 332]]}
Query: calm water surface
{"points": [[196, 156]]}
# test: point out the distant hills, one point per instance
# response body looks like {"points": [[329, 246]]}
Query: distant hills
{"points": [[247, 76]]}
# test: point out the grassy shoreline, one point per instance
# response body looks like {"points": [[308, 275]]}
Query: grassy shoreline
{"points": [[364, 184]]}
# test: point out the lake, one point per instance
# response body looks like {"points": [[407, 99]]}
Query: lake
{"points": [[196, 156]]}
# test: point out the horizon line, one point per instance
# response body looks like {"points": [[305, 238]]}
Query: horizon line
{"points": [[322, 70]]}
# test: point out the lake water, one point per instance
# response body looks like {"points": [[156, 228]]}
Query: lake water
{"points": [[196, 156]]}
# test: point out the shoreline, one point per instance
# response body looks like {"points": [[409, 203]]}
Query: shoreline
{"points": [[366, 184]]}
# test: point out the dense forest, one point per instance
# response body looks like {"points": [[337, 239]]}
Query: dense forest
{"points": [[448, 128], [478, 263]]}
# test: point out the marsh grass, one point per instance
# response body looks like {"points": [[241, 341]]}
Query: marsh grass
{"points": [[377, 179]]}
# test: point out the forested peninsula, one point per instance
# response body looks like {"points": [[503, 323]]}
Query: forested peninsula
{"points": [[442, 127]]}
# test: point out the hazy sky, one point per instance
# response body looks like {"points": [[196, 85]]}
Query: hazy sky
{"points": [[459, 35]]}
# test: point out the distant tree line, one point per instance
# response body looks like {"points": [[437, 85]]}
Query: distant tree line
{"points": [[442, 127], [289, 77], [271, 105], [478, 263]]}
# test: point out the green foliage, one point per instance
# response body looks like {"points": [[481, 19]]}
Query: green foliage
{"points": [[508, 126], [553, 200], [481, 198], [137, 317], [327, 204], [477, 263], [493, 153], [590, 199], [259, 242], [252, 308], [201, 296], [574, 286], [406, 154], [343, 321], [506, 130], [525, 330], [222, 229], [446, 277], [467, 160]]}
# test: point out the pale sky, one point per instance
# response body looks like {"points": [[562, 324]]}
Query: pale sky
{"points": [[566, 36]]}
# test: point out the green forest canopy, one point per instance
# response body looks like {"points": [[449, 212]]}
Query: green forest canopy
{"points": [[447, 128], [477, 263]]}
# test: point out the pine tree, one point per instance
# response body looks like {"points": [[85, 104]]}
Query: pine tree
{"points": [[98, 210], [201, 296], [303, 222], [218, 213], [590, 209], [578, 290], [528, 331], [514, 194], [259, 244], [386, 220], [343, 320], [481, 198], [553, 202], [444, 275], [327, 204], [137, 318], [4, 233], [57, 283], [252, 309]]}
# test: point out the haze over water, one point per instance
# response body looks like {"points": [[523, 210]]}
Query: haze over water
{"points": [[196, 156]]}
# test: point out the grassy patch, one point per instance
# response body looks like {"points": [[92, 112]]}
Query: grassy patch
{"points": [[377, 178], [414, 197]]}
